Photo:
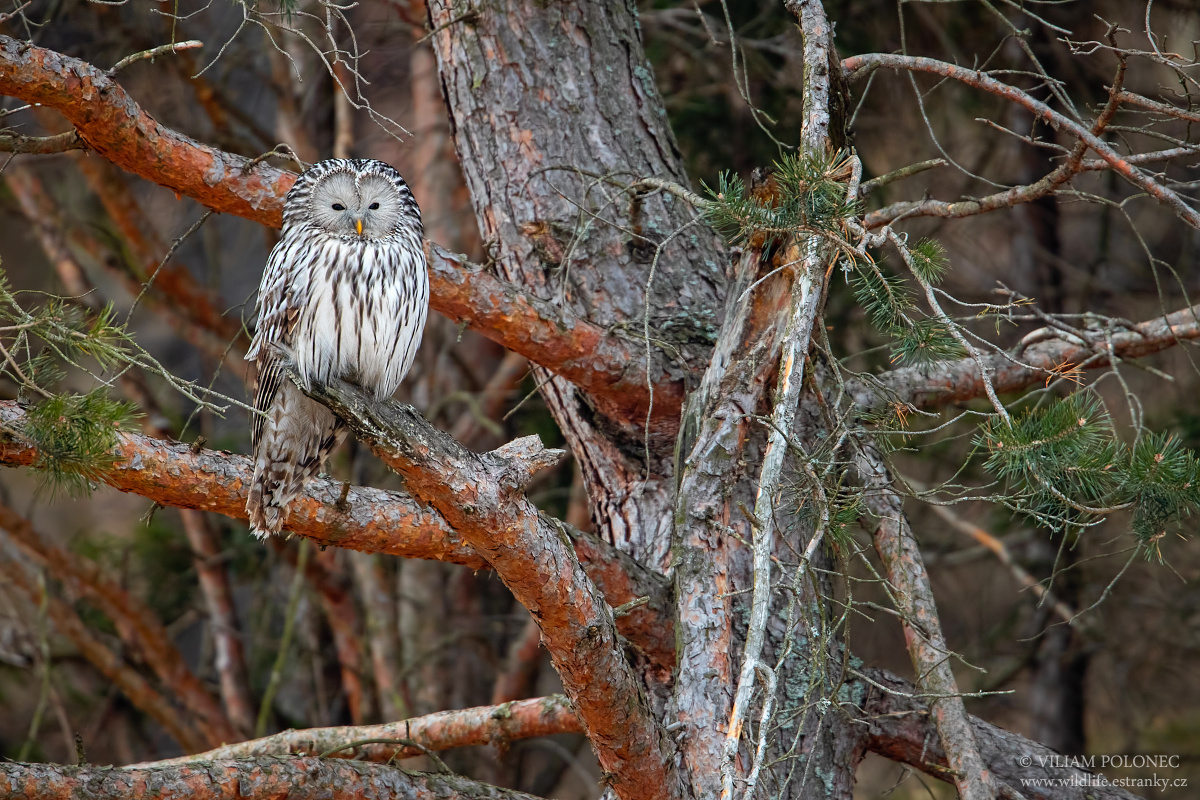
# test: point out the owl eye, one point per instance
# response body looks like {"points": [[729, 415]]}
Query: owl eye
{"points": [[374, 206], [338, 207]]}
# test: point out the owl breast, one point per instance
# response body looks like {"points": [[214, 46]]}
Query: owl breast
{"points": [[363, 313]]}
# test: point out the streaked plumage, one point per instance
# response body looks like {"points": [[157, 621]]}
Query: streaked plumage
{"points": [[344, 294]]}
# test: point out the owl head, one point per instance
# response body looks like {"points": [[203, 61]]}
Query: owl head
{"points": [[353, 199]]}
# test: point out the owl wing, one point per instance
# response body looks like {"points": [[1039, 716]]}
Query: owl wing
{"points": [[281, 296], [291, 435]]}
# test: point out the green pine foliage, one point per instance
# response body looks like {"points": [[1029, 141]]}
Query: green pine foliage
{"points": [[929, 260], [811, 198], [889, 305], [886, 298], [924, 341], [1162, 480], [1064, 467], [75, 436]]}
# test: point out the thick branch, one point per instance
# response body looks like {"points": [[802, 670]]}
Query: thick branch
{"points": [[482, 496], [116, 127], [499, 724], [610, 368], [373, 520], [173, 474], [933, 385], [293, 778]]}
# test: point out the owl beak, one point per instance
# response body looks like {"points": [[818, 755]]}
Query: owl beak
{"points": [[358, 226]]}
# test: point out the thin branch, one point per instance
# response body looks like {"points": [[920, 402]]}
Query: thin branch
{"points": [[12, 142], [922, 628], [979, 80], [505, 722], [152, 54], [805, 307]]}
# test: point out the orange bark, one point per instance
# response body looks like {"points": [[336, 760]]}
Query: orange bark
{"points": [[116, 127], [482, 496], [172, 474], [375, 521]]}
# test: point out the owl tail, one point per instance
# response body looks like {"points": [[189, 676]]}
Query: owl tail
{"points": [[291, 446]]}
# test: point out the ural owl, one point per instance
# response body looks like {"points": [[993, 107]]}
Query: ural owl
{"points": [[344, 295]]}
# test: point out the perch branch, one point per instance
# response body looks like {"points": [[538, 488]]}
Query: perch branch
{"points": [[375, 521], [482, 496]]}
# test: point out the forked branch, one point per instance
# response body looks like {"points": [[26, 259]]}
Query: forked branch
{"points": [[482, 496]]}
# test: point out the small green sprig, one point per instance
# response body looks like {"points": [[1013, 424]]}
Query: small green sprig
{"points": [[1066, 467]]}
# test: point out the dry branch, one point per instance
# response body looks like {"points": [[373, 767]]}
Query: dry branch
{"points": [[498, 724], [927, 647], [809, 255], [711, 445], [482, 496], [900, 729], [933, 385], [268, 777], [862, 64]]}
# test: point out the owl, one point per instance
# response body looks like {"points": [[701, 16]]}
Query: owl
{"points": [[344, 295]]}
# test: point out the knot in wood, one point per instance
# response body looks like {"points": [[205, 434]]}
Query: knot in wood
{"points": [[523, 458]]}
